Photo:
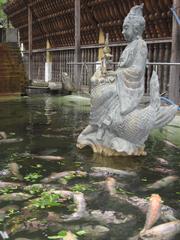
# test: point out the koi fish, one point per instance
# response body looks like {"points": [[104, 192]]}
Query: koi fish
{"points": [[48, 157], [80, 203], [167, 213], [56, 176], [166, 231], [3, 135], [162, 161], [164, 182], [14, 169], [163, 170], [10, 140], [110, 217], [105, 171], [110, 185], [171, 144], [154, 211]]}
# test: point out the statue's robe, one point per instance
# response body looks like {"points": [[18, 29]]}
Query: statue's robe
{"points": [[111, 101]]}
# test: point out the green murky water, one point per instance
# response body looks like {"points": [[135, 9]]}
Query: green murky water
{"points": [[49, 125]]}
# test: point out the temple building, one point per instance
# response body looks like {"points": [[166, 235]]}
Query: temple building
{"points": [[58, 34]]}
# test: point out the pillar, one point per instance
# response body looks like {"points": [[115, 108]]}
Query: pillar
{"points": [[30, 43], [48, 63], [77, 53], [174, 83]]}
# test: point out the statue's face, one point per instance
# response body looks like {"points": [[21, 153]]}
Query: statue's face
{"points": [[128, 31]]}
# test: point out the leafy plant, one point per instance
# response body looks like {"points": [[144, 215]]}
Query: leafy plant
{"points": [[32, 177], [69, 177], [63, 234], [47, 200], [34, 189], [13, 157], [81, 233], [81, 187], [7, 190], [12, 212], [59, 235], [74, 175]]}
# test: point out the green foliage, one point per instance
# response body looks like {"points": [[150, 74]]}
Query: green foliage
{"points": [[2, 2], [34, 189], [47, 200], [63, 234], [12, 212], [2, 14], [81, 233], [81, 188], [60, 235], [32, 177], [70, 177], [7, 190]]}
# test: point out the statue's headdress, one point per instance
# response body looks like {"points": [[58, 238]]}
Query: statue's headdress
{"points": [[136, 11], [135, 16]]}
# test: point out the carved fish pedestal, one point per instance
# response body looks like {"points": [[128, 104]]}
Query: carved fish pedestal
{"points": [[112, 133]]}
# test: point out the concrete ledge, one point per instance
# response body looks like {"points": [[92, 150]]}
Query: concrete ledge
{"points": [[55, 85], [31, 90]]}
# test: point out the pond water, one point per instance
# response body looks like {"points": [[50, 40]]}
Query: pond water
{"points": [[49, 126]]}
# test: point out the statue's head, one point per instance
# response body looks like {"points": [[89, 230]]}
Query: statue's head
{"points": [[134, 23]]}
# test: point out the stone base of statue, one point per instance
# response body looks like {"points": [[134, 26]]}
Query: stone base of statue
{"points": [[120, 147]]}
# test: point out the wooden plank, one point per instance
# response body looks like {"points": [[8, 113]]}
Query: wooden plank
{"points": [[30, 43], [174, 84], [77, 44]]}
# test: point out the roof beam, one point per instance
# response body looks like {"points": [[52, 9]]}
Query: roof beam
{"points": [[24, 8], [17, 12], [61, 13]]}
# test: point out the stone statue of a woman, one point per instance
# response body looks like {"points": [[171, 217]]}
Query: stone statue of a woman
{"points": [[117, 125]]}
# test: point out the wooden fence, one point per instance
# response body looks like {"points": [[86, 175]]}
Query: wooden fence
{"points": [[157, 52]]}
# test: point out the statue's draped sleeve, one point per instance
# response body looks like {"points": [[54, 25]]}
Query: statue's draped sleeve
{"points": [[130, 76]]}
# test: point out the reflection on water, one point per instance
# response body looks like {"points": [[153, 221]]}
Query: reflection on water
{"points": [[50, 126]]}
